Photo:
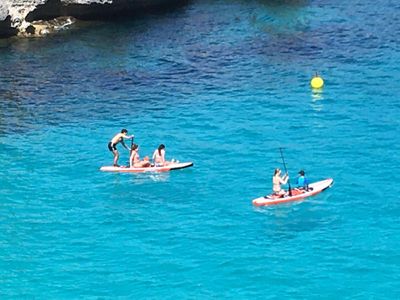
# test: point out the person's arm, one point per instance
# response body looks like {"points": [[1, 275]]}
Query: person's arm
{"points": [[131, 159], [163, 156], [128, 137], [123, 144]]}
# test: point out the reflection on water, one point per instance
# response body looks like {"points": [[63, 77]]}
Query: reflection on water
{"points": [[316, 99], [287, 221], [118, 179], [143, 178], [159, 177]]}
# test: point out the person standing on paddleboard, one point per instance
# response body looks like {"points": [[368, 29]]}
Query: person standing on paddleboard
{"points": [[277, 180], [118, 138]]}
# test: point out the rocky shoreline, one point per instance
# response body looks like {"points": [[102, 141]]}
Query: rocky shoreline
{"points": [[41, 17]]}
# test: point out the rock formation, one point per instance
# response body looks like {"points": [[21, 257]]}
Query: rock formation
{"points": [[38, 17]]}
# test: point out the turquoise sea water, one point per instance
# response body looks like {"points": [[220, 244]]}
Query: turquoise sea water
{"points": [[223, 84]]}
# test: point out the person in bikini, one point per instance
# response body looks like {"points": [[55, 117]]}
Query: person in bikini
{"points": [[118, 138], [277, 180], [134, 160], [159, 157]]}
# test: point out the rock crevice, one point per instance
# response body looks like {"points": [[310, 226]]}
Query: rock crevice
{"points": [[30, 17]]}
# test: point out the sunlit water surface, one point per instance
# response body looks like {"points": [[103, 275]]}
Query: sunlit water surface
{"points": [[223, 84]]}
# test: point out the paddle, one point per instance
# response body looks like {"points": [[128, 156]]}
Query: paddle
{"points": [[130, 150], [284, 164]]}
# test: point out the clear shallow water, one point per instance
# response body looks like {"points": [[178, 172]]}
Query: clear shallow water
{"points": [[223, 84]]}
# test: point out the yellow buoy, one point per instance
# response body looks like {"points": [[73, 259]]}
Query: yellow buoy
{"points": [[317, 82]]}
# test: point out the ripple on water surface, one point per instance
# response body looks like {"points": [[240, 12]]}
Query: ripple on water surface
{"points": [[223, 85]]}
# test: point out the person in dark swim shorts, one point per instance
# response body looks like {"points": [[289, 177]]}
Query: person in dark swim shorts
{"points": [[118, 138], [112, 147]]}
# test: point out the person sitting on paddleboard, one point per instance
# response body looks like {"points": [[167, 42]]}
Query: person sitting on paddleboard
{"points": [[277, 180], [302, 181], [118, 138], [159, 156], [134, 160]]}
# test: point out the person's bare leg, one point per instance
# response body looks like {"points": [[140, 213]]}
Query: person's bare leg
{"points": [[116, 157]]}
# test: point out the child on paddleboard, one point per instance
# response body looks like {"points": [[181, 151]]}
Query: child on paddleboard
{"points": [[302, 181], [118, 138]]}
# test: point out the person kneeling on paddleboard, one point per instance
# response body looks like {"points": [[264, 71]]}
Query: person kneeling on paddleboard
{"points": [[134, 160], [277, 180], [118, 138]]}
